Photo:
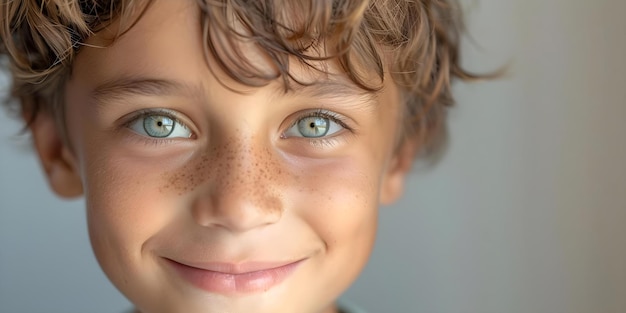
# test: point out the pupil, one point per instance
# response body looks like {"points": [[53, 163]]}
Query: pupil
{"points": [[312, 125], [159, 123]]}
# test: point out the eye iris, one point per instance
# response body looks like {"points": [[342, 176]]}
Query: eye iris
{"points": [[158, 126], [313, 126]]}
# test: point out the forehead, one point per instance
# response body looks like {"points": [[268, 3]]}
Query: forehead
{"points": [[168, 38]]}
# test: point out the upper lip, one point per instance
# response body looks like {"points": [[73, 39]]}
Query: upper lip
{"points": [[235, 268]]}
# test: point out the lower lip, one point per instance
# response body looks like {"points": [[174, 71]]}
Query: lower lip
{"points": [[226, 283]]}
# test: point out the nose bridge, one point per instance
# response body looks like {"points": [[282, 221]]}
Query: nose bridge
{"points": [[243, 192]]}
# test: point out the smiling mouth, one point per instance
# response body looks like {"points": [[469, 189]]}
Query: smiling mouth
{"points": [[232, 279]]}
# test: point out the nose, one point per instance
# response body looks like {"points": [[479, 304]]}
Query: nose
{"points": [[242, 192]]}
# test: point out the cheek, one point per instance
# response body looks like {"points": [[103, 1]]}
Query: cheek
{"points": [[124, 206], [339, 200]]}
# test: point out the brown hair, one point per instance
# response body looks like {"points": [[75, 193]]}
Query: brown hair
{"points": [[417, 41]]}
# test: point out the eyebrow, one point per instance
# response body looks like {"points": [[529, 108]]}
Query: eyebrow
{"points": [[343, 91], [328, 88], [122, 88]]}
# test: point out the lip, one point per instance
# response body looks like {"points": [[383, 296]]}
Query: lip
{"points": [[230, 278]]}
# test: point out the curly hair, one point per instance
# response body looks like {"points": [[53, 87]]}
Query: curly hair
{"points": [[416, 41]]}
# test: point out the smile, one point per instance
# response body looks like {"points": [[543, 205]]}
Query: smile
{"points": [[229, 278]]}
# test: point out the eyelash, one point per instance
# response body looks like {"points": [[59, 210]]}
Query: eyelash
{"points": [[152, 112], [327, 141], [325, 114]]}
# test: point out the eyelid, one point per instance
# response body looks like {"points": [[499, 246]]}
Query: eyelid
{"points": [[177, 117], [332, 116]]}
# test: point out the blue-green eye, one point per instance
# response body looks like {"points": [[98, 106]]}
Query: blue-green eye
{"points": [[314, 126], [159, 126]]}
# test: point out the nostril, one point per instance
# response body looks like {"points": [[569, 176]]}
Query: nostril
{"points": [[200, 213]]}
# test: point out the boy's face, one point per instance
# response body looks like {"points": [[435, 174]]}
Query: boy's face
{"points": [[202, 199]]}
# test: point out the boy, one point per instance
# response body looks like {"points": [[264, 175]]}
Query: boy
{"points": [[232, 153]]}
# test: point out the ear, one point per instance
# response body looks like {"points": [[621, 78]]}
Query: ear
{"points": [[55, 156], [399, 166]]}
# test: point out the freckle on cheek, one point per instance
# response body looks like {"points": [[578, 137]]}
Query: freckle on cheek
{"points": [[189, 176]]}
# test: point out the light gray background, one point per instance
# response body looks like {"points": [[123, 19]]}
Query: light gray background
{"points": [[526, 212]]}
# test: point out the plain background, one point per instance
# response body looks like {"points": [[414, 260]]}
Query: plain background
{"points": [[525, 213]]}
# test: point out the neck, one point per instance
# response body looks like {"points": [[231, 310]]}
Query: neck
{"points": [[330, 309]]}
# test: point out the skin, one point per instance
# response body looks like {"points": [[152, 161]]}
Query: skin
{"points": [[240, 188]]}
